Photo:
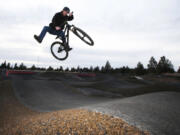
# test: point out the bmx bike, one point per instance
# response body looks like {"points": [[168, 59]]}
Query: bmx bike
{"points": [[59, 50]]}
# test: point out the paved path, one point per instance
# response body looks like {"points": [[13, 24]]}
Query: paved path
{"points": [[158, 113], [45, 95]]}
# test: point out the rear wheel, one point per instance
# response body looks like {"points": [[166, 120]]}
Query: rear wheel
{"points": [[83, 36], [58, 51]]}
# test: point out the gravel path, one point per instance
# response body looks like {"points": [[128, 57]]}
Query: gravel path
{"points": [[16, 119]]}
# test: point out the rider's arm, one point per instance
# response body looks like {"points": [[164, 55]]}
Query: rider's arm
{"points": [[70, 18], [54, 20]]}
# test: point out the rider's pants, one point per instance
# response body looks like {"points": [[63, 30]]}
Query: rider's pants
{"points": [[53, 32]]}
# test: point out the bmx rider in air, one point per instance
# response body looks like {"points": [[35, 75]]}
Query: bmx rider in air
{"points": [[56, 26]]}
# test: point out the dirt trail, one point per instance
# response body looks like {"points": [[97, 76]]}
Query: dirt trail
{"points": [[44, 94], [158, 113]]}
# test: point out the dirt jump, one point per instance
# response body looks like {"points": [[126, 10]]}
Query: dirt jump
{"points": [[78, 104]]}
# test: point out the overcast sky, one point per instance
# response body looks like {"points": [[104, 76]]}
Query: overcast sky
{"points": [[124, 31]]}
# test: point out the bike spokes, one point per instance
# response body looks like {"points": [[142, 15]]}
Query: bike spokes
{"points": [[58, 51], [83, 36]]}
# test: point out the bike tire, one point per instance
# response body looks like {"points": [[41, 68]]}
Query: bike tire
{"points": [[81, 34], [60, 45]]}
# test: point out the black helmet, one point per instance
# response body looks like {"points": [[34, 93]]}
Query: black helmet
{"points": [[66, 9]]}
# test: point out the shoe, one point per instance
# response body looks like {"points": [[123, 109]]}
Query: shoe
{"points": [[68, 49], [37, 38]]}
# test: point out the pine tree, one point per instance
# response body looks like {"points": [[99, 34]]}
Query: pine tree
{"points": [[16, 66], [124, 70], [96, 69], [165, 65], [178, 70], [22, 67], [50, 68], [73, 69], [8, 66], [85, 69], [78, 69], [140, 69], [107, 67], [103, 69], [152, 66], [61, 69], [3, 65], [91, 69], [33, 67], [67, 69]]}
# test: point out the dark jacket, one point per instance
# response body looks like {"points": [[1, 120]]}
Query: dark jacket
{"points": [[59, 20]]}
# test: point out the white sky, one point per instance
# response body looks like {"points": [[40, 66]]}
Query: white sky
{"points": [[124, 31]]}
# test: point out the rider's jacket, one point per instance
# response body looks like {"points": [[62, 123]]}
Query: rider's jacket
{"points": [[59, 20]]}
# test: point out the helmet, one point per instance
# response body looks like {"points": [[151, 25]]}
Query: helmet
{"points": [[66, 9]]}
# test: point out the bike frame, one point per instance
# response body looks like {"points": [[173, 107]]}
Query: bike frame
{"points": [[66, 32]]}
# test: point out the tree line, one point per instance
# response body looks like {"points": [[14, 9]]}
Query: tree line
{"points": [[164, 65]]}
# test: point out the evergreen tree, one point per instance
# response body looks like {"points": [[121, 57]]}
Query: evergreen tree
{"points": [[91, 69], [124, 70], [22, 67], [67, 69], [78, 69], [50, 68], [102, 69], [61, 69], [178, 70], [73, 69], [85, 69], [96, 69], [43, 69], [165, 65], [3, 65], [16, 66], [8, 66], [140, 69], [152, 66], [107, 67], [33, 67]]}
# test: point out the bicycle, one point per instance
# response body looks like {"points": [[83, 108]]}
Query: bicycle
{"points": [[59, 50]]}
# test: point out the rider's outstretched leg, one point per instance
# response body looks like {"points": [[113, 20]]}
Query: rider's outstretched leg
{"points": [[42, 34]]}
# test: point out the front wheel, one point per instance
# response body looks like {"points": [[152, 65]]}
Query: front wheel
{"points": [[58, 51], [83, 36]]}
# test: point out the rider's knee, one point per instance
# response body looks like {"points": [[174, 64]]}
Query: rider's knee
{"points": [[46, 27]]}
